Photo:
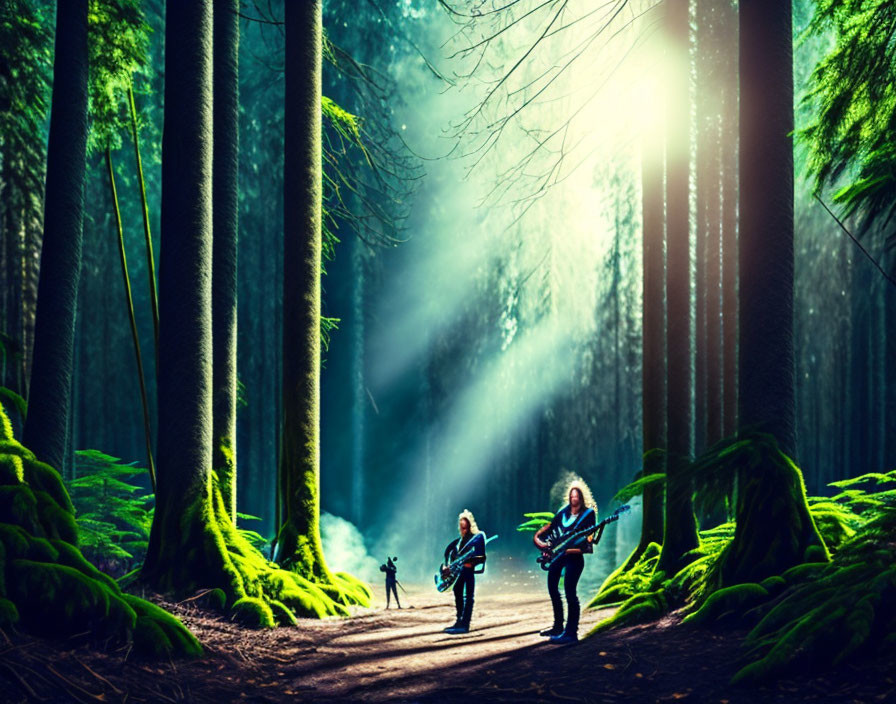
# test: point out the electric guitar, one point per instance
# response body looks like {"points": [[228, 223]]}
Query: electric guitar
{"points": [[558, 546], [444, 582]]}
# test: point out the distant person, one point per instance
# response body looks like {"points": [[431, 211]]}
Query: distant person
{"points": [[577, 515], [391, 580], [470, 539]]}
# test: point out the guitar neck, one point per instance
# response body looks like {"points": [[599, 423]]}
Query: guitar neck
{"points": [[469, 551], [590, 529]]}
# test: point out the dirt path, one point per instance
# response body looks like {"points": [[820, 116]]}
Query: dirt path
{"points": [[403, 656], [404, 653]]}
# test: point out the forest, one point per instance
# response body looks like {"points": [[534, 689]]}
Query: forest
{"points": [[293, 293]]}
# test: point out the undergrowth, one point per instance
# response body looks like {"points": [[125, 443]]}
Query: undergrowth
{"points": [[46, 584], [839, 602]]}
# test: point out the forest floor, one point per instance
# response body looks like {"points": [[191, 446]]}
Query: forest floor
{"points": [[403, 656]]}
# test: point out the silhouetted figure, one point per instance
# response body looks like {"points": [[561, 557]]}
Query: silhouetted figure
{"points": [[391, 580]]}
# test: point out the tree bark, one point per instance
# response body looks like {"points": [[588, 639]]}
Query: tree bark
{"points": [[226, 228], [46, 427], [653, 343], [298, 541], [184, 513], [774, 527], [680, 534], [766, 384], [729, 92]]}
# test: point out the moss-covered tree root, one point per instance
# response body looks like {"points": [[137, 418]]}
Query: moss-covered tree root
{"points": [[202, 549], [774, 525], [46, 584], [829, 612]]}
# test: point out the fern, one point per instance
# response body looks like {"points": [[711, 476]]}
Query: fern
{"points": [[258, 541], [114, 515]]}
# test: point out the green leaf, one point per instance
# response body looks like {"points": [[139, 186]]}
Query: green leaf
{"points": [[628, 492]]}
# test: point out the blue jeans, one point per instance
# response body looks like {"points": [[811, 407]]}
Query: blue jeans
{"points": [[573, 564]]}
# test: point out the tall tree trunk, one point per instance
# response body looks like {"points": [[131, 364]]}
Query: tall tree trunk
{"points": [[729, 91], [298, 541], [714, 403], [774, 527], [766, 388], [653, 343], [711, 15], [889, 384], [184, 517], [226, 229], [46, 427], [358, 381], [703, 184], [680, 533]]}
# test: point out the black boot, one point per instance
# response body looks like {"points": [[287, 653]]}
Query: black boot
{"points": [[459, 627], [452, 627], [568, 637], [554, 630]]}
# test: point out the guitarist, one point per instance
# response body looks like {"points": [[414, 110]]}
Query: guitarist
{"points": [[466, 581], [578, 514]]}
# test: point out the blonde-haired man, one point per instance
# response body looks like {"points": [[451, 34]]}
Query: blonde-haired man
{"points": [[464, 587]]}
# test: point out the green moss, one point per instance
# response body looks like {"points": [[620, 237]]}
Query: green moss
{"points": [[803, 572], [774, 526], [774, 585], [641, 608], [836, 522], [727, 601], [253, 612], [219, 557], [624, 584], [157, 633], [9, 614], [216, 599], [19, 506], [42, 477], [283, 615], [56, 521], [6, 432], [824, 620], [48, 585], [70, 556], [14, 540], [53, 598], [11, 469], [360, 593], [816, 553]]}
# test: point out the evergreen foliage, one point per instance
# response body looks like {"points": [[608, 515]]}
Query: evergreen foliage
{"points": [[25, 65], [853, 91], [114, 515], [117, 43]]}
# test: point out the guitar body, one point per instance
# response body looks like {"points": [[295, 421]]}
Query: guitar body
{"points": [[557, 546], [444, 583]]}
